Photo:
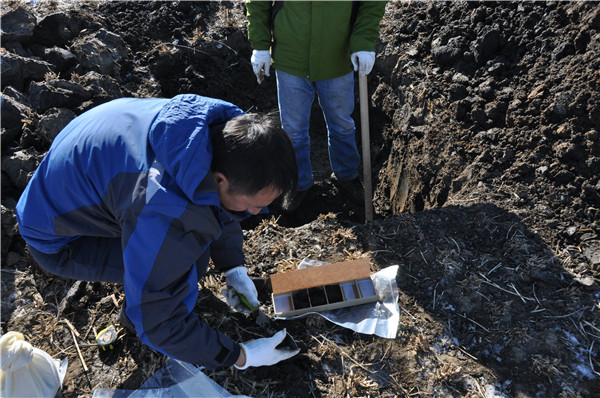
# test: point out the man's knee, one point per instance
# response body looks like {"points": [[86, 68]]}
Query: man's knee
{"points": [[44, 263]]}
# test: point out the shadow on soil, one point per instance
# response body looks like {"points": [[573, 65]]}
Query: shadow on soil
{"points": [[480, 284]]}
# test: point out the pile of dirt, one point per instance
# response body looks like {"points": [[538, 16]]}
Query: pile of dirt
{"points": [[485, 144]]}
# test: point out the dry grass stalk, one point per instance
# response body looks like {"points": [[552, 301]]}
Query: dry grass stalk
{"points": [[75, 334], [488, 282], [356, 363], [476, 323]]}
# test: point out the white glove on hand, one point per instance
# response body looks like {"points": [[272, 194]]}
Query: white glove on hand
{"points": [[238, 282], [363, 62], [262, 352], [260, 60]]}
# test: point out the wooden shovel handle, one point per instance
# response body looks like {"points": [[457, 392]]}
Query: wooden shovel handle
{"points": [[366, 146]]}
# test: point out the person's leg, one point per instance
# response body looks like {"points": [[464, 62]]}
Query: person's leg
{"points": [[87, 258], [336, 97], [295, 96]]}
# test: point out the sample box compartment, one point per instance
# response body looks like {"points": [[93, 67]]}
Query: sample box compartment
{"points": [[322, 288]]}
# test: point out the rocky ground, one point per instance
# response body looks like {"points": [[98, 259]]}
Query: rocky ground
{"points": [[485, 148]]}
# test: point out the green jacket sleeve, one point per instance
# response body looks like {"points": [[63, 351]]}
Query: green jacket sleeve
{"points": [[365, 30], [259, 31]]}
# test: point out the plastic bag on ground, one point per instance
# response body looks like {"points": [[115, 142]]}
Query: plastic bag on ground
{"points": [[27, 371]]}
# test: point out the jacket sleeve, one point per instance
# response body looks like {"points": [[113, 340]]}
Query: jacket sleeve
{"points": [[161, 283], [227, 252], [365, 30], [259, 30]]}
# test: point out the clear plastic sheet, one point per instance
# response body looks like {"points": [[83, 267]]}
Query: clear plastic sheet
{"points": [[175, 379], [379, 318]]}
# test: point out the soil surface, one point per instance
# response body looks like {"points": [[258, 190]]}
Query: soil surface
{"points": [[485, 148]]}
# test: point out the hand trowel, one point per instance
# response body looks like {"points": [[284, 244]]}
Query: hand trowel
{"points": [[260, 317]]}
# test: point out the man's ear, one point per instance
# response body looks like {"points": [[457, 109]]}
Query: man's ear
{"points": [[221, 181]]}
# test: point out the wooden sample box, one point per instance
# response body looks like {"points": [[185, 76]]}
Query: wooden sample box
{"points": [[322, 288]]}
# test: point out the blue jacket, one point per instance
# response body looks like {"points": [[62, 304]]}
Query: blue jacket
{"points": [[139, 170]]}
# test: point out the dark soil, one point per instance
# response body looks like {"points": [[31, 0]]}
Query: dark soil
{"points": [[485, 148]]}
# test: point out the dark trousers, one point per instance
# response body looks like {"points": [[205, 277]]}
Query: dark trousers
{"points": [[95, 259], [89, 258]]}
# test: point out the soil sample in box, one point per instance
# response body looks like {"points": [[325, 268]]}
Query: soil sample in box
{"points": [[300, 299], [322, 288], [317, 296], [334, 293]]}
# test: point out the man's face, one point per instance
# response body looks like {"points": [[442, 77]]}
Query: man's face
{"points": [[253, 204]]}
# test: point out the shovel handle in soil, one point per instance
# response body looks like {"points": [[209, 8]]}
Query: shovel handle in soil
{"points": [[366, 146]]}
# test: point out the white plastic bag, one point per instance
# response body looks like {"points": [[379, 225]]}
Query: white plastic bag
{"points": [[26, 371]]}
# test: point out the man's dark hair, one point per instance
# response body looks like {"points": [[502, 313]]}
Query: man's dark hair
{"points": [[254, 153]]}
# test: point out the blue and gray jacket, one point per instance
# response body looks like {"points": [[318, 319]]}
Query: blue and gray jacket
{"points": [[139, 170]]}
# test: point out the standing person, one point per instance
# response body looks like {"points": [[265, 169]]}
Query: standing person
{"points": [[142, 192], [315, 46]]}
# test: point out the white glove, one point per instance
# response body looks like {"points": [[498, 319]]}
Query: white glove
{"points": [[238, 282], [260, 60], [263, 352], [363, 62]]}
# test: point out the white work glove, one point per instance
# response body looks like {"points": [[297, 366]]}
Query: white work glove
{"points": [[260, 60], [363, 62], [262, 352], [237, 281]]}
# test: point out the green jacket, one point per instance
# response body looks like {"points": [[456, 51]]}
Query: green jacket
{"points": [[314, 39]]}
